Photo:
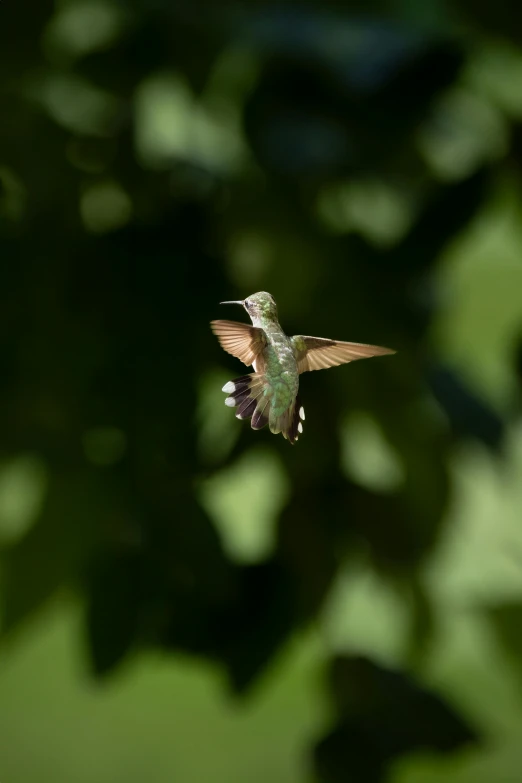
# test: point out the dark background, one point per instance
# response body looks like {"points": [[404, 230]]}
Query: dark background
{"points": [[183, 598]]}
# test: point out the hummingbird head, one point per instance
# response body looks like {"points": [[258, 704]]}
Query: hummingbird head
{"points": [[261, 307]]}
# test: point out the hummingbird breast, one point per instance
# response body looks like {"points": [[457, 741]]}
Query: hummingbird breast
{"points": [[280, 370]]}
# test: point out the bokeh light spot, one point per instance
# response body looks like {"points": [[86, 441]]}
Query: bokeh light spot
{"points": [[23, 482], [105, 207], [366, 456], [244, 502]]}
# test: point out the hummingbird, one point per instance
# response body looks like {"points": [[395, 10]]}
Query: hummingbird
{"points": [[270, 395]]}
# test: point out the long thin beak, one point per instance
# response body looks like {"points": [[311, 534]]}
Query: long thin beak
{"points": [[238, 301]]}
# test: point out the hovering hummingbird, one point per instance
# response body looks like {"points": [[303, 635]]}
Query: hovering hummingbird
{"points": [[269, 395]]}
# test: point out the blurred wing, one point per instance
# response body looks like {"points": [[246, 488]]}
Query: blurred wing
{"points": [[241, 340], [319, 353]]}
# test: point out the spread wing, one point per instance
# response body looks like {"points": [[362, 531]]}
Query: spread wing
{"points": [[241, 340], [319, 353]]}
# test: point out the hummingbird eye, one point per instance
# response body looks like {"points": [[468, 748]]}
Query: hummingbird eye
{"points": [[247, 303]]}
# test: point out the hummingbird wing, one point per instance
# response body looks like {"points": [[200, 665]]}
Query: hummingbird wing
{"points": [[244, 341], [319, 353]]}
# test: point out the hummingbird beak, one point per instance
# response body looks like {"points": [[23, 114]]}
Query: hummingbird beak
{"points": [[238, 301]]}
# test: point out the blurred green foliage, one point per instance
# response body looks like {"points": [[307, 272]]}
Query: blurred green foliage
{"points": [[359, 595]]}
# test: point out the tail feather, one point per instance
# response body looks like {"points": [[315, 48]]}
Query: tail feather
{"points": [[261, 415], [289, 423], [246, 408], [251, 395]]}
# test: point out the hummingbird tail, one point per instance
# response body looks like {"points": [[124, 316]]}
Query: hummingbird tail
{"points": [[248, 395], [290, 422], [251, 395]]}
